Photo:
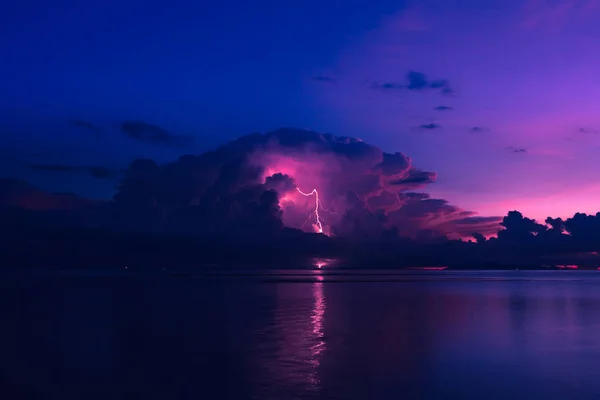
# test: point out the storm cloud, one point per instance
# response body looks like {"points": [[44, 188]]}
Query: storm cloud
{"points": [[260, 191], [357, 184]]}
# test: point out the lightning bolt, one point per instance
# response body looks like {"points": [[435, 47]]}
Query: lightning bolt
{"points": [[318, 223]]}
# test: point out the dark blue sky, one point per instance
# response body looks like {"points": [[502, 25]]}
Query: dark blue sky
{"points": [[228, 67]]}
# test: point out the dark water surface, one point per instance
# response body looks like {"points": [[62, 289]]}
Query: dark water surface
{"points": [[434, 335]]}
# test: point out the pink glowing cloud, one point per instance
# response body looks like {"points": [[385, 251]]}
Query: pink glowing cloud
{"points": [[336, 184]]}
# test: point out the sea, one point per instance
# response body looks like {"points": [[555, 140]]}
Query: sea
{"points": [[310, 334]]}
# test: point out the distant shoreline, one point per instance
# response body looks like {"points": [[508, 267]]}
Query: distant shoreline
{"points": [[258, 270]]}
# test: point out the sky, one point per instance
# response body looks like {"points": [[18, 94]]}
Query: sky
{"points": [[498, 97]]}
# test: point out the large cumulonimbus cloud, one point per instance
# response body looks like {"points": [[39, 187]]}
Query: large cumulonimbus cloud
{"points": [[260, 179]]}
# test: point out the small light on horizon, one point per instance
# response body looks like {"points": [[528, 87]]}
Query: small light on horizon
{"points": [[323, 262]]}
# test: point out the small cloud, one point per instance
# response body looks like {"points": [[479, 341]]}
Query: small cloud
{"points": [[439, 84], [153, 134], [447, 91], [588, 131], [323, 78], [513, 149], [478, 129], [417, 81], [93, 171], [388, 86], [582, 133], [86, 125], [443, 108], [430, 126]]}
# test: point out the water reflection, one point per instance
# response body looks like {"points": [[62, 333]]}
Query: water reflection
{"points": [[318, 314], [298, 335], [186, 338]]}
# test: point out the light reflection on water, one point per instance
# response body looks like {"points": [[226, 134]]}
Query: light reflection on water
{"points": [[318, 314], [298, 334], [483, 335]]}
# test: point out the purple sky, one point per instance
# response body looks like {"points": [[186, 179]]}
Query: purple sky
{"points": [[522, 73], [525, 72]]}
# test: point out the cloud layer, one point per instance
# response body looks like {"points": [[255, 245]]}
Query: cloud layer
{"points": [[251, 191], [418, 81], [362, 190]]}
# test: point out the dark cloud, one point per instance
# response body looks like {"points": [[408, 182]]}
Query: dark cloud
{"points": [[588, 131], [519, 150], [439, 84], [323, 78], [417, 81], [265, 182], [210, 192], [576, 235], [388, 86], [478, 129], [430, 126], [448, 91], [153, 134], [255, 236], [416, 177], [86, 125], [94, 171], [443, 108]]}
